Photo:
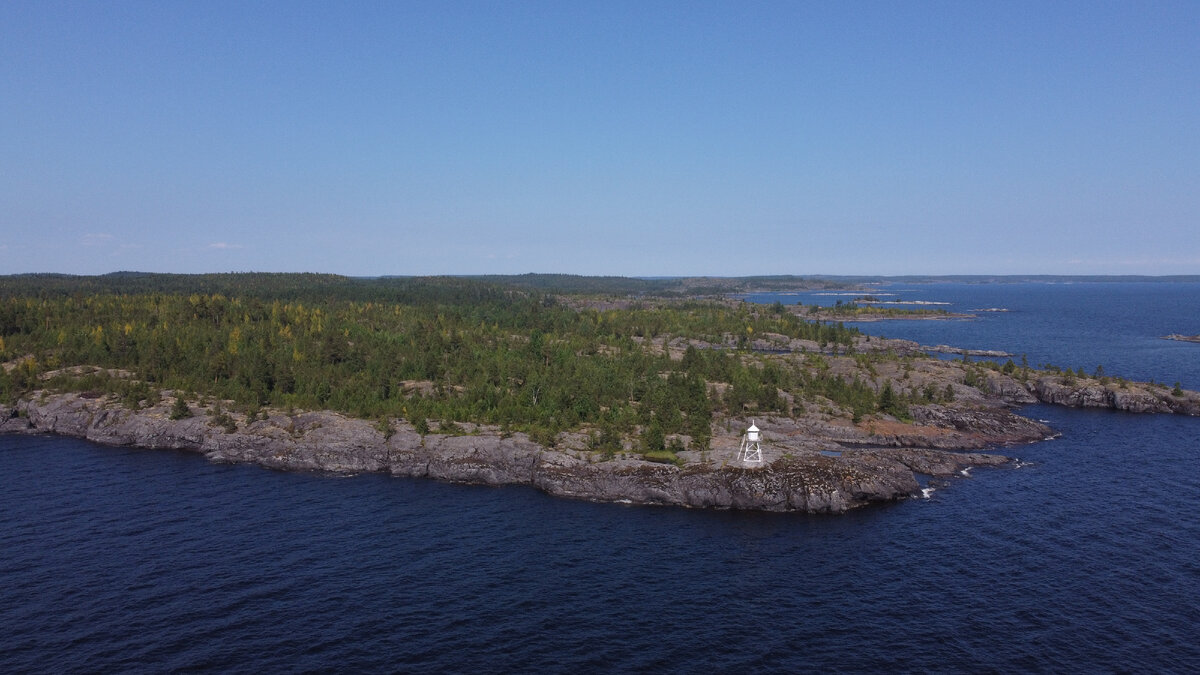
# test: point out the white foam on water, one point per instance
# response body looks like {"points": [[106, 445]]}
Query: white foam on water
{"points": [[925, 492], [911, 302]]}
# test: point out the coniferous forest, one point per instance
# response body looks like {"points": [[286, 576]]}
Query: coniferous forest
{"points": [[520, 355]]}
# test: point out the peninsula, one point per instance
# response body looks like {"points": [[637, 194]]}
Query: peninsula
{"points": [[644, 401]]}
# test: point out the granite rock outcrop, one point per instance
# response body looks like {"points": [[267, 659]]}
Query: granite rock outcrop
{"points": [[799, 476]]}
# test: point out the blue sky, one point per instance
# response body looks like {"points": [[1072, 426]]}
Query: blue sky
{"points": [[629, 138]]}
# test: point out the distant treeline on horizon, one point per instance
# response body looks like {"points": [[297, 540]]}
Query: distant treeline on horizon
{"points": [[285, 284]]}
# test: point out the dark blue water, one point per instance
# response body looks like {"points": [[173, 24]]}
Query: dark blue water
{"points": [[1087, 559]]}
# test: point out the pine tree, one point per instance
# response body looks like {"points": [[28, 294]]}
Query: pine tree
{"points": [[180, 410]]}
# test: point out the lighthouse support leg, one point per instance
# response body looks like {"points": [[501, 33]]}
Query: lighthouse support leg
{"points": [[751, 452]]}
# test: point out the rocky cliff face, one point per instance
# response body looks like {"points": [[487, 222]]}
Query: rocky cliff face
{"points": [[1089, 392], [1139, 398], [800, 479]]}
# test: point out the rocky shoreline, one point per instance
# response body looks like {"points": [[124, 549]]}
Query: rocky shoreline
{"points": [[810, 465], [983, 353], [828, 470], [814, 460]]}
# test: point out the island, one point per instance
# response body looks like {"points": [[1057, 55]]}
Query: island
{"points": [[593, 392], [1182, 338]]}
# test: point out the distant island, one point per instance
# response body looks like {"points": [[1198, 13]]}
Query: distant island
{"points": [[1182, 338], [591, 388]]}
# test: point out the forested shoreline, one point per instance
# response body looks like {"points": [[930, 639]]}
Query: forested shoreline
{"points": [[447, 349]]}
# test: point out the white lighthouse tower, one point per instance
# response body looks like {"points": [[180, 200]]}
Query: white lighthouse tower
{"points": [[751, 450]]}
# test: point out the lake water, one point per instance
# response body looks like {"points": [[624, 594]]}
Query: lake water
{"points": [[1085, 558], [1117, 325]]}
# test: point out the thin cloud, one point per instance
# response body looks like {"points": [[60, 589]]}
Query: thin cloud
{"points": [[223, 246], [1137, 265], [123, 249], [95, 238], [1142, 261]]}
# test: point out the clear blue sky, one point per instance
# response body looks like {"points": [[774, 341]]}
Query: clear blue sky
{"points": [[630, 138]]}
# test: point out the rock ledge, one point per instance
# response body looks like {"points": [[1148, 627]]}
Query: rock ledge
{"points": [[801, 476]]}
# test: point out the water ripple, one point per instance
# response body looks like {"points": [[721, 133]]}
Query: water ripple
{"points": [[132, 560]]}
